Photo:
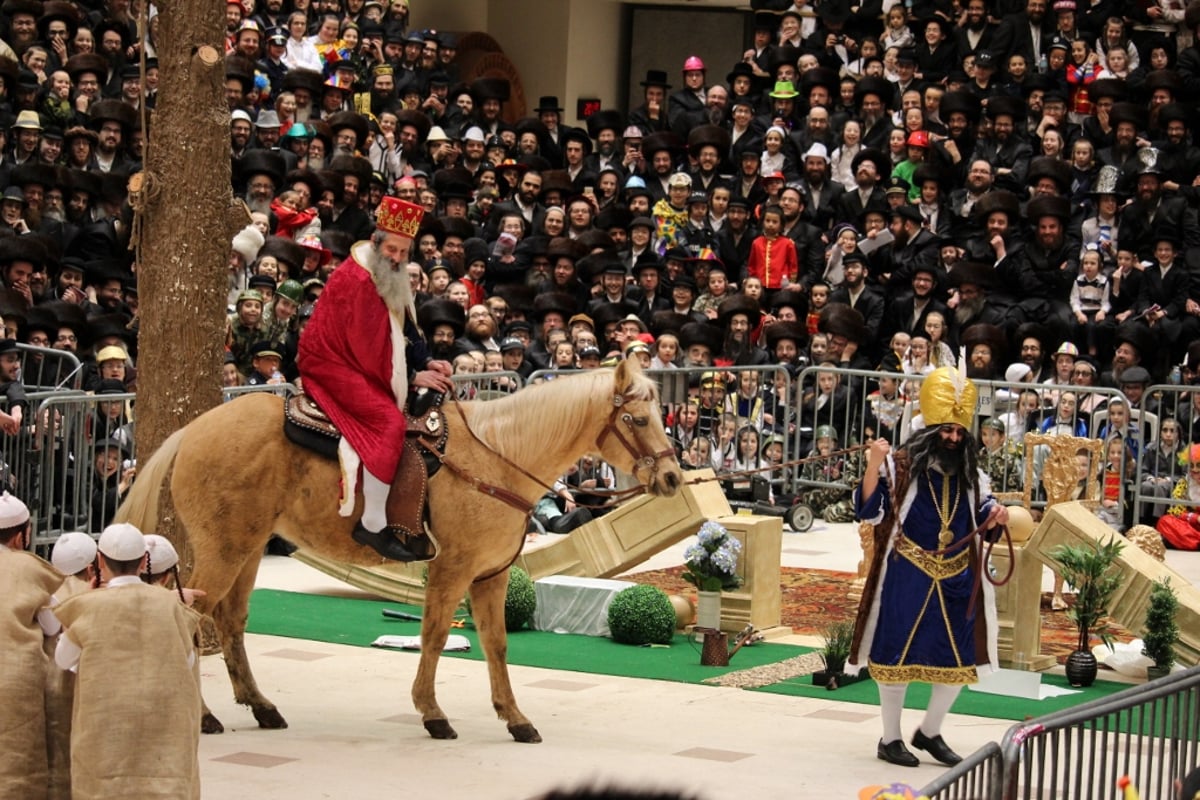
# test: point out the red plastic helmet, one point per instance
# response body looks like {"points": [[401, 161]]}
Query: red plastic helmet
{"points": [[693, 64], [918, 139]]}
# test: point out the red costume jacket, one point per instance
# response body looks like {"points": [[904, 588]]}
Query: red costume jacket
{"points": [[773, 260], [353, 367]]}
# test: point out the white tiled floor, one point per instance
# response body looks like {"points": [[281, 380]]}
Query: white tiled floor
{"points": [[353, 733]]}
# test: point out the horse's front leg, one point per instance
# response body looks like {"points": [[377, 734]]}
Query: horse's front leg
{"points": [[443, 592], [487, 610]]}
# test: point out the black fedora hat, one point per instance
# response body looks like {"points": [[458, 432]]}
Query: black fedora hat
{"points": [[549, 103], [656, 77]]}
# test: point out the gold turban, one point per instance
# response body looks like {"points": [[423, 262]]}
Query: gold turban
{"points": [[947, 397]]}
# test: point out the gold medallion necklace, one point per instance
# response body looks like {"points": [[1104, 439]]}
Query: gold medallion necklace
{"points": [[945, 535]]}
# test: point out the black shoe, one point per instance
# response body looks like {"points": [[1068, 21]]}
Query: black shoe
{"points": [[936, 746], [393, 547], [896, 753]]}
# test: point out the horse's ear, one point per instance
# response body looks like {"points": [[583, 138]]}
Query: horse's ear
{"points": [[624, 374]]}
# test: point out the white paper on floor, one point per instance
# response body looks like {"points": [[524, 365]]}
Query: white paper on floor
{"points": [[454, 643], [1018, 683]]}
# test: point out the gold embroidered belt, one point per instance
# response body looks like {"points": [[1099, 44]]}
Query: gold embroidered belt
{"points": [[935, 566]]}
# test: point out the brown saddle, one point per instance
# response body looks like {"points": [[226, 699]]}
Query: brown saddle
{"points": [[306, 425]]}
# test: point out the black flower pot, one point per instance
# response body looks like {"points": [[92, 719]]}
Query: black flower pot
{"points": [[1081, 668]]}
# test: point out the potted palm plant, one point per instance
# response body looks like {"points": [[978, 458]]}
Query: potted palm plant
{"points": [[1090, 569], [1161, 633], [835, 652]]}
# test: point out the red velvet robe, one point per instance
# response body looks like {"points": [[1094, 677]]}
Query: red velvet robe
{"points": [[355, 363]]}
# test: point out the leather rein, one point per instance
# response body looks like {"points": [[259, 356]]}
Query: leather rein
{"points": [[642, 460]]}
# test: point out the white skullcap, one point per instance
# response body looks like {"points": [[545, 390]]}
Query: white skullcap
{"points": [[72, 552], [12, 511], [1017, 372], [162, 553], [122, 542]]}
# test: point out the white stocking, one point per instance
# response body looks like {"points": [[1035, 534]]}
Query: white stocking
{"points": [[941, 698], [375, 493], [891, 703]]}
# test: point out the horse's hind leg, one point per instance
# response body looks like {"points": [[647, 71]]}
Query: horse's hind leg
{"points": [[230, 617], [442, 595], [487, 609]]}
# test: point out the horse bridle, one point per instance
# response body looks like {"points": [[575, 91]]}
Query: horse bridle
{"points": [[641, 458]]}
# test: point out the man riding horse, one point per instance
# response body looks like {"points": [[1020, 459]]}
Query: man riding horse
{"points": [[359, 356]]}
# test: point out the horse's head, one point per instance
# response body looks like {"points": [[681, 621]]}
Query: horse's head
{"points": [[633, 439]]}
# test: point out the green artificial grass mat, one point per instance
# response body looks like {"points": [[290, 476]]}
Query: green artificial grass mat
{"points": [[359, 622], [347, 621], [977, 704]]}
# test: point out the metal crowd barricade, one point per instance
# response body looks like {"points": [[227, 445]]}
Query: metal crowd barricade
{"points": [[754, 395], [20, 459], [486, 385], [676, 387], [976, 777], [1149, 732], [864, 404], [1153, 486], [46, 369], [284, 390], [71, 431]]}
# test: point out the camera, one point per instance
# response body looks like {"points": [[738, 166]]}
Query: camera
{"points": [[129, 463], [840, 38]]}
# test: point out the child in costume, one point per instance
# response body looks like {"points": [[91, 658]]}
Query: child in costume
{"points": [[136, 725]]}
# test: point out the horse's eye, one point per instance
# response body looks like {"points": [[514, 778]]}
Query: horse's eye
{"points": [[641, 422]]}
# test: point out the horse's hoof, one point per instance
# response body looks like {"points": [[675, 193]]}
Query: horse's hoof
{"points": [[440, 729], [525, 733], [269, 718], [210, 724]]}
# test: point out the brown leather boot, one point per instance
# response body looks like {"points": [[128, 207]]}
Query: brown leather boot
{"points": [[404, 537]]}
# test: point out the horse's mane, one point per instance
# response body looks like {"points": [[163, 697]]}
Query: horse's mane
{"points": [[558, 410]]}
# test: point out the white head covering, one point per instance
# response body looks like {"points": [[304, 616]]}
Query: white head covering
{"points": [[162, 553], [12, 511], [72, 552], [817, 150], [1016, 373], [122, 542]]}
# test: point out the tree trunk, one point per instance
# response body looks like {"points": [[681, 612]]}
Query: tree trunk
{"points": [[187, 224]]}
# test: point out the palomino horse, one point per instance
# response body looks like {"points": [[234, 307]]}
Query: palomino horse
{"points": [[237, 480]]}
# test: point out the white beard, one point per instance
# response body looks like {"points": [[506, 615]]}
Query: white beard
{"points": [[392, 284]]}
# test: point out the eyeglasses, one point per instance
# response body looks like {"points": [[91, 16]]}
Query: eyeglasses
{"points": [[1082, 372]]}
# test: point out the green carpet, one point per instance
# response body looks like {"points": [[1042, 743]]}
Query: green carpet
{"points": [[359, 622], [978, 704]]}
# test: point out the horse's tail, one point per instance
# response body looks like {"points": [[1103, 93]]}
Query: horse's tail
{"points": [[140, 507]]}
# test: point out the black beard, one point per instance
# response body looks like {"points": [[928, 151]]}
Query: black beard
{"points": [[927, 450], [978, 373], [441, 351]]}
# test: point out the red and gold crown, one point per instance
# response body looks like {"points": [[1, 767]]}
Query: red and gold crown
{"points": [[399, 216]]}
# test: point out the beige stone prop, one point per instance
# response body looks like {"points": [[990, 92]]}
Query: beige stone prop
{"points": [[1074, 524]]}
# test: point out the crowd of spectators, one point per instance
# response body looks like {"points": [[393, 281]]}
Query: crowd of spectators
{"points": [[887, 186]]}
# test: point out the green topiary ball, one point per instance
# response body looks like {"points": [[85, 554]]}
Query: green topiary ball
{"points": [[641, 615], [521, 600]]}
